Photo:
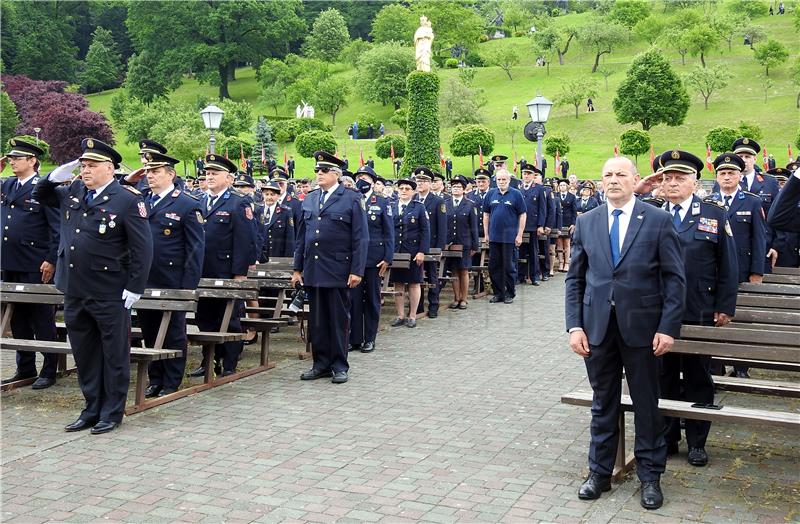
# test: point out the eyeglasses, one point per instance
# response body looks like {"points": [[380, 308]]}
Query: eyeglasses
{"points": [[324, 170]]}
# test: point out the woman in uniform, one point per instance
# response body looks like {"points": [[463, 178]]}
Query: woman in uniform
{"points": [[462, 229]]}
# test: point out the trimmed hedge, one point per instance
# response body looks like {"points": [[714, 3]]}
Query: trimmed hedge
{"points": [[721, 138], [423, 121], [383, 146], [467, 138], [306, 144], [291, 128]]}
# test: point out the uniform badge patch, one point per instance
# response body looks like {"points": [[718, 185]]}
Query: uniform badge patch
{"points": [[142, 209], [708, 225], [248, 212], [199, 217], [443, 209]]}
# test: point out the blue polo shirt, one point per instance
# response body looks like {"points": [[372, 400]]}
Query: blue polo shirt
{"points": [[504, 211]]}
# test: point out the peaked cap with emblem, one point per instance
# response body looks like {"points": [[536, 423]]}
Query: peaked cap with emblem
{"points": [[728, 161], [271, 185], [680, 161], [482, 174], [406, 181], [793, 166], [220, 163], [155, 160], [325, 159], [279, 174], [746, 145], [366, 170], [151, 146], [780, 174], [20, 148], [423, 173], [524, 166], [244, 180], [94, 149], [460, 180], [499, 158]]}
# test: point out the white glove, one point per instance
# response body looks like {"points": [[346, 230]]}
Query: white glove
{"points": [[63, 173], [130, 298]]}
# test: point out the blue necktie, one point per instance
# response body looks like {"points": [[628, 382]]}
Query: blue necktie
{"points": [[676, 216], [614, 237], [728, 202], [151, 202], [322, 199], [90, 196]]}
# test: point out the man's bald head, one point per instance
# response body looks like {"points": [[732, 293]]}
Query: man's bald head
{"points": [[619, 177]]}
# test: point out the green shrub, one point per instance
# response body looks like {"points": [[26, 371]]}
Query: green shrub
{"points": [[720, 139], [383, 146], [751, 130], [451, 63], [400, 117], [295, 126], [423, 121], [474, 59], [484, 38], [233, 145], [315, 140], [467, 139], [556, 142], [634, 142], [364, 120]]}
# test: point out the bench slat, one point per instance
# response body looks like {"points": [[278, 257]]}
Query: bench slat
{"points": [[747, 351], [42, 289], [770, 289], [786, 271], [168, 305], [241, 294], [63, 348], [767, 301], [32, 298], [739, 335], [752, 385], [760, 364], [789, 318], [212, 336], [226, 283], [782, 279]]}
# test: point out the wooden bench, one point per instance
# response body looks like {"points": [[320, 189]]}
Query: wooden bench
{"points": [[770, 304], [165, 300], [786, 271], [275, 288]]}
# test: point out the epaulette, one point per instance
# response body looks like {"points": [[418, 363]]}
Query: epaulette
{"points": [[654, 201], [751, 194], [132, 189], [237, 193], [191, 195], [709, 200]]}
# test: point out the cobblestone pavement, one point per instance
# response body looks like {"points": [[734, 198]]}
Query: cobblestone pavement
{"points": [[458, 419]]}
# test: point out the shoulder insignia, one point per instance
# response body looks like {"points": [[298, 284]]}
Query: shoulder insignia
{"points": [[192, 195], [142, 209], [759, 178], [751, 194], [443, 208], [237, 193], [728, 229], [199, 217], [176, 193], [709, 200], [248, 212], [132, 189]]}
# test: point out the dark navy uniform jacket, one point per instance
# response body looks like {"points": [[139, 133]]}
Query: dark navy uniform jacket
{"points": [[478, 199], [568, 210], [785, 211], [536, 204], [412, 228], [230, 236], [106, 246], [332, 242], [437, 216], [30, 229], [747, 222], [553, 209], [765, 186], [462, 223], [381, 230], [581, 207], [279, 234], [176, 225], [709, 255], [296, 205]]}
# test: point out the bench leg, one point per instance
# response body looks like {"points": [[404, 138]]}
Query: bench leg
{"points": [[141, 380], [265, 347], [622, 463], [208, 362]]}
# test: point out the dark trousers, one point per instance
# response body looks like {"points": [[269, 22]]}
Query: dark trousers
{"points": [[604, 367], [503, 268], [365, 308], [328, 327], [530, 252], [100, 336], [544, 248], [33, 321], [209, 318], [167, 373], [432, 278], [696, 386]]}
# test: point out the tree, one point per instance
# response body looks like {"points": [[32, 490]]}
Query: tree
{"points": [[649, 29], [751, 130], [727, 26], [602, 37], [262, 142], [721, 138], [460, 104], [771, 54], [383, 146], [634, 142], [331, 96], [353, 50], [471, 139], [505, 58], [103, 64], [8, 119], [556, 143], [65, 125], [797, 140], [44, 41], [700, 40], [185, 145], [400, 117], [751, 8], [180, 36], [606, 72], [274, 96], [796, 77], [310, 141], [423, 121], [651, 94], [575, 93], [629, 12], [675, 38], [147, 78], [515, 15], [382, 73], [707, 81], [328, 36], [766, 85], [755, 33], [454, 23], [552, 39], [394, 23]]}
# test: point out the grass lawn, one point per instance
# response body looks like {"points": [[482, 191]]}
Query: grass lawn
{"points": [[593, 134]]}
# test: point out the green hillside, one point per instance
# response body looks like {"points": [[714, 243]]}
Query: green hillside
{"points": [[593, 135]]}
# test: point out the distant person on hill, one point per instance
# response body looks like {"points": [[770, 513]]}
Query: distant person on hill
{"points": [[514, 113], [589, 105], [382, 129]]}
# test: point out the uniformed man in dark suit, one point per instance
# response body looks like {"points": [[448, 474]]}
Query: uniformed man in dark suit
{"points": [[278, 223], [287, 199], [482, 182], [499, 162], [785, 212], [536, 206], [103, 263], [551, 225], [711, 268], [462, 229], [437, 216], [229, 252], [176, 226], [246, 185], [365, 305], [329, 260], [28, 256]]}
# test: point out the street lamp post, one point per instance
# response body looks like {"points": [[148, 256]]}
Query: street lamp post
{"points": [[37, 130], [212, 117], [539, 111]]}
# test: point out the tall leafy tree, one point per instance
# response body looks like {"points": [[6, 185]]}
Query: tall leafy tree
{"points": [[629, 12], [576, 92], [382, 73], [394, 22], [210, 38], [331, 96], [555, 39], [707, 81], [771, 54], [601, 37], [701, 39], [44, 38], [8, 118], [103, 64], [328, 36], [651, 94]]}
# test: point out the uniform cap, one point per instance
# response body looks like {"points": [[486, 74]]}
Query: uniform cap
{"points": [[482, 174], [151, 146], [220, 163], [271, 186], [155, 160], [325, 159], [499, 158], [681, 161], [244, 180], [94, 149], [423, 173], [406, 181], [746, 145], [728, 161], [366, 170], [438, 175], [20, 148], [524, 166], [460, 180]]}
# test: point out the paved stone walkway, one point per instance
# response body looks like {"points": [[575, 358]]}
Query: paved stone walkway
{"points": [[458, 419]]}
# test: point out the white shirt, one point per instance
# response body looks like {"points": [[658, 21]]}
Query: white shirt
{"points": [[797, 173], [22, 182], [685, 205], [624, 219], [749, 179], [163, 194], [330, 191], [270, 210], [732, 195], [456, 202], [101, 188]]}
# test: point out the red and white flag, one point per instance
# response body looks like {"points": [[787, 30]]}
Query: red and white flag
{"points": [[652, 156], [285, 160], [263, 156], [226, 153], [616, 150], [709, 161], [765, 164], [480, 155], [515, 162], [558, 162], [361, 157], [791, 157], [242, 161], [441, 157]]}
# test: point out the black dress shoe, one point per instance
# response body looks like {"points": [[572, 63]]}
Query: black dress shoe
{"points": [[104, 427], [250, 341], [399, 322], [433, 314], [495, 299], [19, 376], [742, 374], [508, 300], [339, 377], [199, 372], [217, 369], [166, 391], [152, 391], [462, 305], [314, 374], [698, 457], [545, 278], [354, 347], [594, 485], [368, 347], [411, 322], [652, 498], [228, 372], [535, 283], [43, 383], [672, 448], [78, 425]]}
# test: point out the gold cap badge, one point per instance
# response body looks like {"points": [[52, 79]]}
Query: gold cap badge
{"points": [[727, 159], [746, 141], [13, 142], [675, 154], [90, 143]]}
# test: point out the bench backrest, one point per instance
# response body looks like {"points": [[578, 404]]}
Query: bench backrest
{"points": [[739, 342]]}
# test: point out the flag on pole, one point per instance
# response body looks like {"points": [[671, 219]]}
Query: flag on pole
{"points": [[480, 155], [616, 150], [263, 156], [206, 150], [226, 153], [653, 156], [791, 157], [242, 161], [285, 160], [515, 162], [441, 157], [709, 162], [361, 157], [558, 162], [765, 164], [391, 154]]}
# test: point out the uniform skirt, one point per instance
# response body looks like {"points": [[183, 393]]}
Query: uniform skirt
{"points": [[410, 275], [465, 262]]}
